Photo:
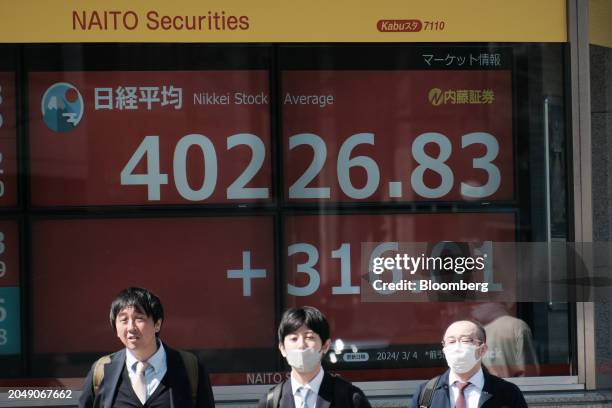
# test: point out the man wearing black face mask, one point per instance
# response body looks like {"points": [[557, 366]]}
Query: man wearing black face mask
{"points": [[303, 339], [467, 384]]}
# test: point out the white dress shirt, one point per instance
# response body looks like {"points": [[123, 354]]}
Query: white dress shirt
{"points": [[154, 373], [471, 392], [313, 385]]}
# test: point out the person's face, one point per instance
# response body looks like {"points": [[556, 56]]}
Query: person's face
{"points": [[301, 339], [136, 330], [465, 333]]}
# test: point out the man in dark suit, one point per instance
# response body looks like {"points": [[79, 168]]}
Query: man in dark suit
{"points": [[146, 373], [303, 337], [466, 384]]}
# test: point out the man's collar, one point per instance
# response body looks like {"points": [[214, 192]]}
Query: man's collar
{"points": [[314, 384], [476, 380], [156, 361]]}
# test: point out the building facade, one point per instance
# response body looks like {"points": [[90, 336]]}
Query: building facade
{"points": [[397, 167]]}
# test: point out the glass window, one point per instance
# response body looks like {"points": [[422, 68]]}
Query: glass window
{"points": [[238, 180], [381, 141]]}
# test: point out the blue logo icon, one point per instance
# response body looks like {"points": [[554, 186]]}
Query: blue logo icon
{"points": [[62, 107]]}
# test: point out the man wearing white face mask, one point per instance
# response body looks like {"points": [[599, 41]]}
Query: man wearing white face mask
{"points": [[303, 339], [467, 384]]}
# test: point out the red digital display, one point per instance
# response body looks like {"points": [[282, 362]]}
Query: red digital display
{"points": [[397, 136], [9, 253], [8, 141], [215, 277], [137, 138], [324, 269], [235, 194]]}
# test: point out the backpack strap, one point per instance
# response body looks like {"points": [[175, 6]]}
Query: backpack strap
{"points": [[190, 361], [274, 394], [98, 375], [428, 391]]}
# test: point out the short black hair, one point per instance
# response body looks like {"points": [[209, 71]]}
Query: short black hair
{"points": [[308, 316], [140, 299]]}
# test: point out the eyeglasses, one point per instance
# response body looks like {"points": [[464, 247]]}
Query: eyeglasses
{"points": [[465, 340]]}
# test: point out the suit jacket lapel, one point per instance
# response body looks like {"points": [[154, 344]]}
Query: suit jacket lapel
{"points": [[442, 394], [487, 389], [112, 372], [287, 400], [163, 384], [326, 391], [484, 397], [176, 380]]}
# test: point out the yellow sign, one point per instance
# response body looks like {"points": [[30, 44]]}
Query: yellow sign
{"points": [[600, 22], [40, 21]]}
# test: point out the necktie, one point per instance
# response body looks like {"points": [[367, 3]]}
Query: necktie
{"points": [[460, 402], [304, 392], [139, 385]]}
